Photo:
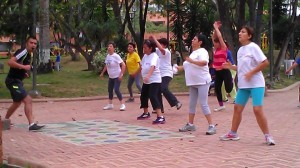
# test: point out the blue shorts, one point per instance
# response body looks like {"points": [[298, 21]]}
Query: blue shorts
{"points": [[16, 88], [257, 95]]}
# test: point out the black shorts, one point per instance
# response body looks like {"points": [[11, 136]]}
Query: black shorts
{"points": [[16, 88]]}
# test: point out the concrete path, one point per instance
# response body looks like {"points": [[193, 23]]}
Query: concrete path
{"points": [[80, 134]]}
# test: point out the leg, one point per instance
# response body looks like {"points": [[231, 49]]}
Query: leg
{"points": [[12, 109], [129, 85], [117, 84], [233, 91], [166, 92], [261, 119], [110, 90], [257, 100], [137, 79], [28, 109], [228, 82], [223, 91], [203, 99], [218, 85], [241, 100], [154, 93], [237, 117]]}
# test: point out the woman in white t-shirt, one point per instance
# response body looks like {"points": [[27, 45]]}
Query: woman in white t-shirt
{"points": [[151, 83], [251, 83], [115, 67], [166, 72], [198, 79]]}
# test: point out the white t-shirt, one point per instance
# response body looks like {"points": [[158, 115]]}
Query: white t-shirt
{"points": [[248, 58], [147, 62], [195, 74], [113, 65], [165, 66]]}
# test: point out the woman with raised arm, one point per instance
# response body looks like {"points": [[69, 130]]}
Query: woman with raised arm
{"points": [[250, 63]]}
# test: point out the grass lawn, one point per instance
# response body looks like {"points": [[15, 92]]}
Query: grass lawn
{"points": [[73, 81]]}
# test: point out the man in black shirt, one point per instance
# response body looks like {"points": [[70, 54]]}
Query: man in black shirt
{"points": [[19, 66]]}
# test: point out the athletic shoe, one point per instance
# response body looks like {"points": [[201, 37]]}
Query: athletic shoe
{"points": [[108, 107], [187, 128], [298, 106], [270, 141], [144, 116], [211, 130], [35, 127], [219, 108], [178, 105], [130, 100], [122, 107], [229, 136], [159, 120]]}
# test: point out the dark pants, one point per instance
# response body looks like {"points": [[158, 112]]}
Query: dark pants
{"points": [[114, 84], [152, 92], [223, 76], [135, 79], [172, 100]]}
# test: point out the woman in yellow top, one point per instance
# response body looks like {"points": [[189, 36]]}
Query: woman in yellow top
{"points": [[134, 69]]}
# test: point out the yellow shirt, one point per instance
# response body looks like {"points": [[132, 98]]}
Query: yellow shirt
{"points": [[132, 62]]}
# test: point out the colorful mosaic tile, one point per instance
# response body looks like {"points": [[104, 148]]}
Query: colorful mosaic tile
{"points": [[93, 132]]}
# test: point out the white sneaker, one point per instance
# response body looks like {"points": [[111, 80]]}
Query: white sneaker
{"points": [[108, 107], [219, 108], [122, 107]]}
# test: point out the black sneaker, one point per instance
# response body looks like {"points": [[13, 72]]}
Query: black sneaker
{"points": [[178, 105], [159, 120], [35, 127], [144, 116], [130, 100]]}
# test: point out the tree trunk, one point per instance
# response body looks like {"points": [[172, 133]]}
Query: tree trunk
{"points": [[284, 47], [44, 56]]}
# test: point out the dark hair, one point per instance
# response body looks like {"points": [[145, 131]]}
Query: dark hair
{"points": [[249, 30], [112, 43], [31, 37], [202, 37], [132, 44], [151, 44], [163, 41]]}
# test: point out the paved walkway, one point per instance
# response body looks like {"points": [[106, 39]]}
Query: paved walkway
{"points": [[80, 134]]}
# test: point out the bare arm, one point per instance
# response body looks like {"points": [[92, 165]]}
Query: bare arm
{"points": [[259, 68], [12, 62], [123, 68], [199, 63], [103, 71], [161, 49], [146, 79], [291, 67], [217, 33]]}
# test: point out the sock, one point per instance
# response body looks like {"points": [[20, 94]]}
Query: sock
{"points": [[211, 125], [31, 124], [267, 135], [190, 124], [221, 103], [232, 132]]}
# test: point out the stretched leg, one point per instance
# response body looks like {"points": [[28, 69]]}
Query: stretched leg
{"points": [[129, 85], [261, 119], [12, 109], [172, 100], [137, 79], [28, 109], [237, 117]]}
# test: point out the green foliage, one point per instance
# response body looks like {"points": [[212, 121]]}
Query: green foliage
{"points": [[153, 28]]}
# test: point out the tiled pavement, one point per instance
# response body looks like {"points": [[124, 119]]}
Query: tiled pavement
{"points": [[161, 145]]}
